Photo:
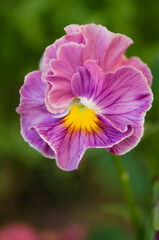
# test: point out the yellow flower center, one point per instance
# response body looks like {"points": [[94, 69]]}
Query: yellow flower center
{"points": [[81, 117]]}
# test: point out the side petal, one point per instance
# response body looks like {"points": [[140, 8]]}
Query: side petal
{"points": [[32, 92], [28, 121], [127, 144], [125, 97], [33, 111]]}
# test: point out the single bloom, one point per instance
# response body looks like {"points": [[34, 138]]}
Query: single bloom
{"points": [[87, 94]]}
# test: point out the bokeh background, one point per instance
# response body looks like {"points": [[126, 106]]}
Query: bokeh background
{"points": [[32, 189]]}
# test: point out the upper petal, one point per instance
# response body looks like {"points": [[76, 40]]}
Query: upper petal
{"points": [[119, 43], [58, 94], [51, 51], [101, 44], [72, 28], [98, 39], [70, 57]]}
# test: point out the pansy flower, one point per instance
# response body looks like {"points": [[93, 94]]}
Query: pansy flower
{"points": [[87, 94]]}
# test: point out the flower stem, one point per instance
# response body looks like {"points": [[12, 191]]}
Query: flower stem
{"points": [[128, 194]]}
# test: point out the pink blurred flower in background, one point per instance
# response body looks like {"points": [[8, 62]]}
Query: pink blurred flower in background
{"points": [[18, 232], [70, 232], [156, 236], [24, 232], [73, 232], [87, 94]]}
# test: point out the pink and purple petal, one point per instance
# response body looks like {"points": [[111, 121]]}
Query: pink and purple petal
{"points": [[98, 39], [138, 64], [33, 111], [125, 97], [67, 145], [70, 144], [101, 44], [106, 135], [51, 51], [128, 143], [58, 94], [72, 28], [31, 136], [32, 92], [117, 47], [88, 80], [69, 58]]}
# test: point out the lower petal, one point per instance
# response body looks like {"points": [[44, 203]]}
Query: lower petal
{"points": [[68, 145], [69, 140]]}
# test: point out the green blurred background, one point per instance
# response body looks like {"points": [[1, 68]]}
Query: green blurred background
{"points": [[32, 189]]}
